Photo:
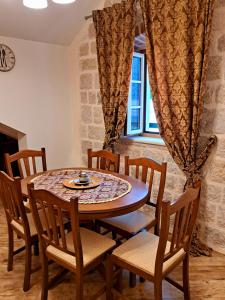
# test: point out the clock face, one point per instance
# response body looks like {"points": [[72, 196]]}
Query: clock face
{"points": [[7, 58]]}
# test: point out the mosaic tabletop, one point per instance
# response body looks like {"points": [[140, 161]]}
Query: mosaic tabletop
{"points": [[110, 188]]}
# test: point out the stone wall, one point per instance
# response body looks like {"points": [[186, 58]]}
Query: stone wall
{"points": [[212, 209]]}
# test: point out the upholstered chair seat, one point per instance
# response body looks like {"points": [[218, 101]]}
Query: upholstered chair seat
{"points": [[93, 245], [134, 221], [140, 251]]}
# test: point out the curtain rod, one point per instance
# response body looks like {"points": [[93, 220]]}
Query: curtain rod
{"points": [[88, 17]]}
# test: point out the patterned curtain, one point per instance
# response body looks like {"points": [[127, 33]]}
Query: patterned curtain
{"points": [[177, 43], [115, 31]]}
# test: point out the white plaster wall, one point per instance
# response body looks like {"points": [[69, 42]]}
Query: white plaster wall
{"points": [[36, 98]]}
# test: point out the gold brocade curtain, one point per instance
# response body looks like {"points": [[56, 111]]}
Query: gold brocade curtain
{"points": [[177, 42], [115, 31]]}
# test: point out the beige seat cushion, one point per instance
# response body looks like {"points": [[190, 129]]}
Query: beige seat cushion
{"points": [[20, 228], [93, 244], [134, 221], [140, 251], [33, 230]]}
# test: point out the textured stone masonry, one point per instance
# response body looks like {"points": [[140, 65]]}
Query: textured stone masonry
{"points": [[212, 209]]}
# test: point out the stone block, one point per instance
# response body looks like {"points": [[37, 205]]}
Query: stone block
{"points": [[214, 68], [220, 220], [172, 167], [92, 97], [84, 131], [207, 212], [219, 3], [168, 196], [99, 100], [209, 97], [218, 21], [108, 3], [208, 120], [215, 236], [223, 197], [170, 182], [83, 97], [91, 31], [155, 155], [97, 145], [86, 114], [84, 49], [97, 81], [220, 151], [86, 145], [98, 115], [86, 81], [220, 94], [211, 193], [96, 133], [219, 121], [88, 64], [217, 171], [221, 43], [93, 48]]}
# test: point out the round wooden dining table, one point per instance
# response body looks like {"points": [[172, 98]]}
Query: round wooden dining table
{"points": [[134, 199]]}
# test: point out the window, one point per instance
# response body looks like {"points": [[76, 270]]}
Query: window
{"points": [[140, 115]]}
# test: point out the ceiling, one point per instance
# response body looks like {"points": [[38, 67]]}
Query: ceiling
{"points": [[57, 24]]}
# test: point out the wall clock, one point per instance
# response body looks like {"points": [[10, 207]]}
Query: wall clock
{"points": [[7, 58]]}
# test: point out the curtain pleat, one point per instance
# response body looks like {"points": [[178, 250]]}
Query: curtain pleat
{"points": [[115, 32]]}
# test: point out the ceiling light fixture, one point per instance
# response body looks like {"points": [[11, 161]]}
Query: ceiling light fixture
{"points": [[63, 1], [35, 4], [39, 4]]}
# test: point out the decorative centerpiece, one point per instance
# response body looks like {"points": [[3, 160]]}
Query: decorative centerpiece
{"points": [[83, 177]]}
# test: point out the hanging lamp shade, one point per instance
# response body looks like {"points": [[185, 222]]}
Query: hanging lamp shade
{"points": [[35, 4], [63, 1]]}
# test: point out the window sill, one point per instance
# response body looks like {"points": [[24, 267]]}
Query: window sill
{"points": [[143, 140]]}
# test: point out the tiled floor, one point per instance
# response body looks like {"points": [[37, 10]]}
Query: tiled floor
{"points": [[207, 278]]}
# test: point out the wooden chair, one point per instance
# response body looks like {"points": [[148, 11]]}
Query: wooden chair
{"points": [[23, 158], [153, 257], [132, 223], [105, 160], [18, 221], [79, 251]]}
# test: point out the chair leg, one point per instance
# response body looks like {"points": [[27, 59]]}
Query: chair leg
{"points": [[119, 281], [28, 255], [79, 287], [132, 280], [10, 248], [109, 279], [36, 248], [186, 277], [44, 293], [114, 235], [97, 228], [158, 290]]}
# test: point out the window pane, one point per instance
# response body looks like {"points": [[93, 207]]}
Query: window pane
{"points": [[136, 94], [136, 68], [153, 126], [151, 122], [135, 119]]}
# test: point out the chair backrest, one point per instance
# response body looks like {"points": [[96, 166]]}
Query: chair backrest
{"points": [[105, 160], [12, 200], [146, 169], [183, 213], [49, 212], [24, 159]]}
